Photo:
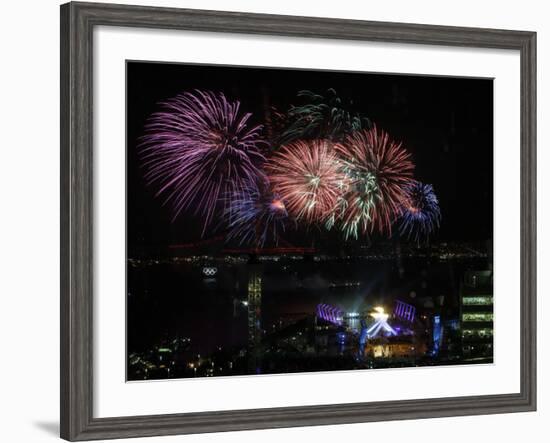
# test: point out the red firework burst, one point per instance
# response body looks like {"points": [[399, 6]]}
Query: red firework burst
{"points": [[307, 175], [372, 155]]}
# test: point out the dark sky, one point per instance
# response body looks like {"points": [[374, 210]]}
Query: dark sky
{"points": [[446, 123]]}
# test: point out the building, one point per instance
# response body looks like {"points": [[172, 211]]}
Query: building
{"points": [[476, 314], [396, 348], [254, 304]]}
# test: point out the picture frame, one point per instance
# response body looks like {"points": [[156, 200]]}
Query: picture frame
{"points": [[77, 217]]}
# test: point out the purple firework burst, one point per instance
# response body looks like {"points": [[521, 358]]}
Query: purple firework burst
{"points": [[421, 214], [199, 149], [256, 216]]}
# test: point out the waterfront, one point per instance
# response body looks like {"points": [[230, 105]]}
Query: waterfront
{"points": [[191, 316]]}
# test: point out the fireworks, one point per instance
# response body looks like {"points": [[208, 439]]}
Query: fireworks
{"points": [[256, 216], [355, 206], [204, 157], [321, 117], [198, 150], [379, 170], [421, 214], [308, 176]]}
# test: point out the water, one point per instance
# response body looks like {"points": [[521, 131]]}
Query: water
{"points": [[168, 300]]}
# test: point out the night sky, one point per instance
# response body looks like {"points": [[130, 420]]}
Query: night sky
{"points": [[446, 123]]}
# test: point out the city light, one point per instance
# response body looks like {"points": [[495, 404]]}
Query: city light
{"points": [[209, 271], [286, 222], [404, 311], [477, 300], [378, 312], [330, 313], [437, 334], [381, 323], [478, 316]]}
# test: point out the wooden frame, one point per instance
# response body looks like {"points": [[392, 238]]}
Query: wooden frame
{"points": [[77, 23]]}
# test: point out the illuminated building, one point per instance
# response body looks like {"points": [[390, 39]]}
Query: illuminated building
{"points": [[385, 343], [437, 334], [380, 325], [362, 339], [353, 321], [331, 314], [254, 305], [404, 311], [476, 314], [395, 348]]}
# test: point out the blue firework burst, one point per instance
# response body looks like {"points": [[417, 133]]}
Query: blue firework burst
{"points": [[256, 216], [420, 213]]}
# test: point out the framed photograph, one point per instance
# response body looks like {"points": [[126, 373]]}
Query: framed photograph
{"points": [[273, 221]]}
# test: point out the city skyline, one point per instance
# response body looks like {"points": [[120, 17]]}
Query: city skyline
{"points": [[290, 220]]}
